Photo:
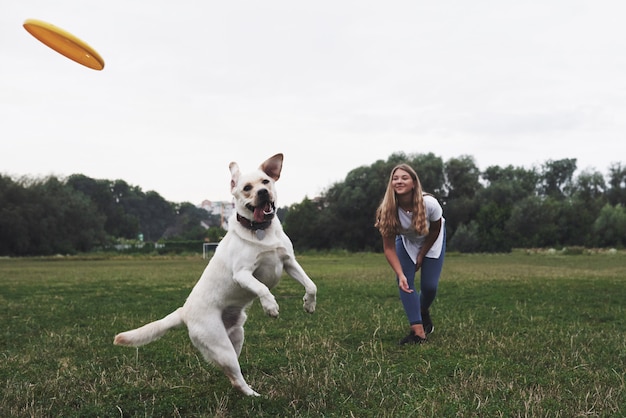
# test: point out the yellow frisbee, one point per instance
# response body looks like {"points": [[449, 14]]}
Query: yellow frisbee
{"points": [[64, 43]]}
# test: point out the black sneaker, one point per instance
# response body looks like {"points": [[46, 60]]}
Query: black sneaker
{"points": [[427, 323], [412, 339]]}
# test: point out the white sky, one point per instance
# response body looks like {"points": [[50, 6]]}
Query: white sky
{"points": [[189, 86]]}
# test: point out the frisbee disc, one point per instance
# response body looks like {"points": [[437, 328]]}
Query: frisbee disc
{"points": [[64, 43]]}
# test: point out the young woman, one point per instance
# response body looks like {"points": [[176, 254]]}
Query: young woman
{"points": [[414, 238]]}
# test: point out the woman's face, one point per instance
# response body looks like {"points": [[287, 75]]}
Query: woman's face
{"points": [[402, 182]]}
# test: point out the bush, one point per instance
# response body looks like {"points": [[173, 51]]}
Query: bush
{"points": [[465, 239]]}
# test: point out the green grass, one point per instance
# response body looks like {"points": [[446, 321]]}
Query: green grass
{"points": [[517, 335]]}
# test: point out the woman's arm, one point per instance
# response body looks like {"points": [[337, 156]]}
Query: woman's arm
{"points": [[389, 248], [433, 233]]}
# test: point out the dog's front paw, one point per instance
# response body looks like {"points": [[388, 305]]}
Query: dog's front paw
{"points": [[270, 307], [309, 303]]}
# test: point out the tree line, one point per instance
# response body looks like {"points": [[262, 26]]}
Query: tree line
{"points": [[82, 214], [494, 210]]}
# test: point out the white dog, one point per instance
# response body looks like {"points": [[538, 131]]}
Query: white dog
{"points": [[247, 264]]}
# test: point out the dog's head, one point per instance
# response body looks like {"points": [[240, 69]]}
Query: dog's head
{"points": [[255, 195]]}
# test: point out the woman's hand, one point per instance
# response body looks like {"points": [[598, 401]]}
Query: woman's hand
{"points": [[404, 284]]}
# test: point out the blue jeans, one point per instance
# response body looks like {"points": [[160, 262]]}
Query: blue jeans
{"points": [[430, 271]]}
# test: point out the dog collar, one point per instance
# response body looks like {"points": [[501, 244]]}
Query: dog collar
{"points": [[257, 227]]}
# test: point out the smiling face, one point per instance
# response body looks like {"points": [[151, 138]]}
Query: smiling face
{"points": [[402, 182], [254, 192]]}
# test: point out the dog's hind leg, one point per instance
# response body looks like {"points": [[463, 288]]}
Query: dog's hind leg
{"points": [[234, 318], [216, 347], [236, 336]]}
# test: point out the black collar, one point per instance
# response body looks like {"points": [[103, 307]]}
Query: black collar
{"points": [[253, 225]]}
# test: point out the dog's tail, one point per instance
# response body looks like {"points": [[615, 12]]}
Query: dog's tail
{"points": [[150, 332]]}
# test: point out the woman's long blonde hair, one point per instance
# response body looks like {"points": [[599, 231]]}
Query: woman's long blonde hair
{"points": [[387, 220]]}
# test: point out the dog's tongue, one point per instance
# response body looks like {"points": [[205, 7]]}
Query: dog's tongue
{"points": [[260, 211]]}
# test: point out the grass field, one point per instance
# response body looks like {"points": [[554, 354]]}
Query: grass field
{"points": [[517, 335]]}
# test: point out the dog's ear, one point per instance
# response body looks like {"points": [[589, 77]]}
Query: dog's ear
{"points": [[234, 175], [273, 166]]}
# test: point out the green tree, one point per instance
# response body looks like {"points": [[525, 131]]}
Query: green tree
{"points": [[430, 170], [462, 183], [616, 194], [589, 186], [580, 210], [214, 234], [610, 227], [187, 223], [533, 222], [349, 207], [462, 177], [127, 209], [306, 227], [491, 220], [155, 215], [557, 177], [14, 225], [56, 219], [109, 198], [125, 219], [466, 239], [505, 187], [522, 182]]}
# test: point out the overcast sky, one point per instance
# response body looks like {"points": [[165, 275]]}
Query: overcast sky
{"points": [[189, 86]]}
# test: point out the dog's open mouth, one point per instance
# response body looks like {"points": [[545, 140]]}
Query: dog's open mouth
{"points": [[261, 211]]}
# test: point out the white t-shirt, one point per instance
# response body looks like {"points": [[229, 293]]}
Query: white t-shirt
{"points": [[413, 242]]}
